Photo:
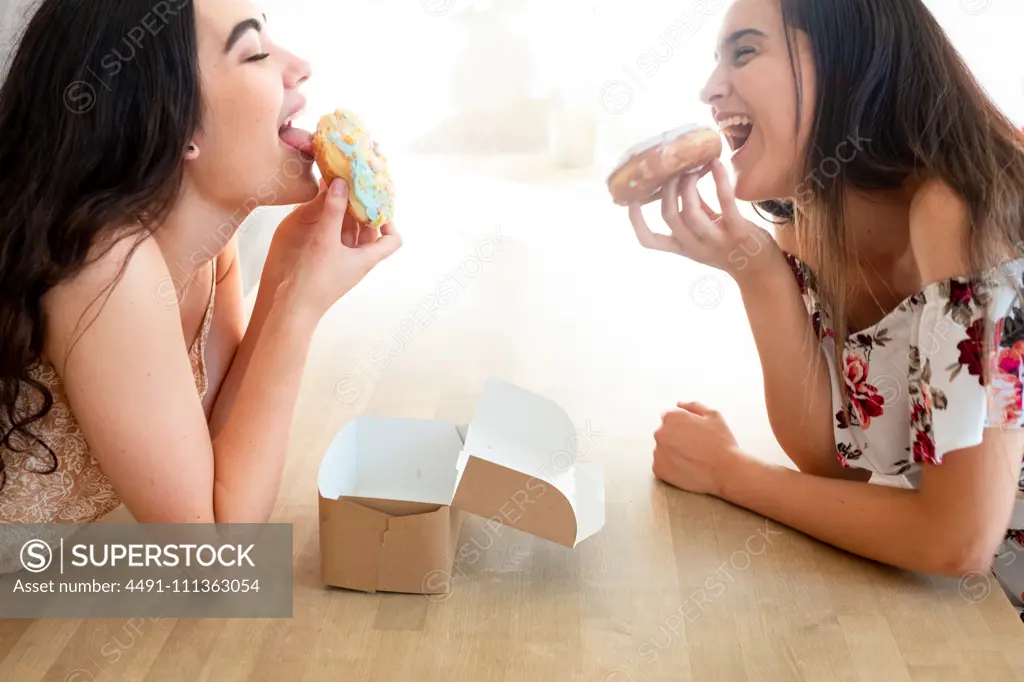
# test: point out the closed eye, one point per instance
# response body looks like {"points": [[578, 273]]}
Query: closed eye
{"points": [[743, 52], [258, 57]]}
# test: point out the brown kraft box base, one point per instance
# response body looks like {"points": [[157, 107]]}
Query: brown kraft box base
{"points": [[392, 491]]}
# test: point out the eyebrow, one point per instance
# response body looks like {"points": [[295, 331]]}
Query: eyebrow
{"points": [[737, 35], [240, 30]]}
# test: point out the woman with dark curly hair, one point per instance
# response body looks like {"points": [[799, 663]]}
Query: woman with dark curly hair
{"points": [[135, 136]]}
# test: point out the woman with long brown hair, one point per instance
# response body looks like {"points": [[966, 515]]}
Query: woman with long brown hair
{"points": [[886, 309]]}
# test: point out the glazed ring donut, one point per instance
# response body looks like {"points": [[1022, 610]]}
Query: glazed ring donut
{"points": [[648, 165], [344, 149]]}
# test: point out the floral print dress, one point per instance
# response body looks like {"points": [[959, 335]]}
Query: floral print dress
{"points": [[916, 383]]}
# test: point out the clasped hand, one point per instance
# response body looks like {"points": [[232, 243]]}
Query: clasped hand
{"points": [[695, 450]]}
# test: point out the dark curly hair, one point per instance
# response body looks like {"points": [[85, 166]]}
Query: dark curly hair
{"points": [[99, 102]]}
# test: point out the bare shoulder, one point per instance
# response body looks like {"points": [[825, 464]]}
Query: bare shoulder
{"points": [[128, 274], [129, 366], [939, 231]]}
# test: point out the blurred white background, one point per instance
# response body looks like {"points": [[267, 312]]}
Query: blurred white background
{"points": [[524, 105], [651, 56], [558, 88]]}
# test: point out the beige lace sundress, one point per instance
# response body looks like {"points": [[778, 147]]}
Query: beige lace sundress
{"points": [[77, 490]]}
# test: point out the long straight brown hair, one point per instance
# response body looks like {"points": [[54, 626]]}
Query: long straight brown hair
{"points": [[890, 83]]}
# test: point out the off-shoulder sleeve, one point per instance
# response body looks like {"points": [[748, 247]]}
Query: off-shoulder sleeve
{"points": [[966, 351]]}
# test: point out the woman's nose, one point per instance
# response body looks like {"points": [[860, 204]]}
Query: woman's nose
{"points": [[296, 71], [716, 88]]}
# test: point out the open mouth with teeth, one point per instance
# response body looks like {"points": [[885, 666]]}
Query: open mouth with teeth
{"points": [[298, 139], [737, 130]]}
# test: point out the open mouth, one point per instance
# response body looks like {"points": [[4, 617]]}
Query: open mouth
{"points": [[737, 130], [298, 139]]}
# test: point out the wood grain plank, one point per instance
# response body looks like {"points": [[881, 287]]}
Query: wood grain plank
{"points": [[11, 630], [110, 648], [186, 650], [38, 647], [874, 649]]}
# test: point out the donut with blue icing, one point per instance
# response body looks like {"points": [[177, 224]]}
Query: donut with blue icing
{"points": [[648, 165], [344, 149]]}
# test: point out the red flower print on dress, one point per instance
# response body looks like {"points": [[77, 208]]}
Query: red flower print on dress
{"points": [[800, 272], [1006, 394], [820, 329], [924, 448], [970, 352], [801, 282], [918, 413], [1010, 361], [865, 400], [959, 293]]}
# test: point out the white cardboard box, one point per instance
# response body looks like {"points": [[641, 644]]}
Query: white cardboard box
{"points": [[392, 491]]}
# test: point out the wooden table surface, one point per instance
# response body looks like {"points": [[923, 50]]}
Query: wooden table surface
{"points": [[553, 294]]}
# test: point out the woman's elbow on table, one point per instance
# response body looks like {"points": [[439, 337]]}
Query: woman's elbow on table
{"points": [[964, 537], [959, 557], [967, 501]]}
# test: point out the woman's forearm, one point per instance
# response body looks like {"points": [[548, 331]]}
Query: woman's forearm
{"points": [[250, 447], [228, 393], [797, 386], [885, 524]]}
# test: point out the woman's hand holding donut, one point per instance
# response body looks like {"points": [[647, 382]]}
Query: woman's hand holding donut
{"points": [[332, 253], [725, 240]]}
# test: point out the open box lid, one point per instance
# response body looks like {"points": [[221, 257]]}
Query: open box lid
{"points": [[515, 464], [518, 467]]}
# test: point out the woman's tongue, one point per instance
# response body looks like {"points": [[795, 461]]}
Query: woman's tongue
{"points": [[299, 139], [740, 135]]}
